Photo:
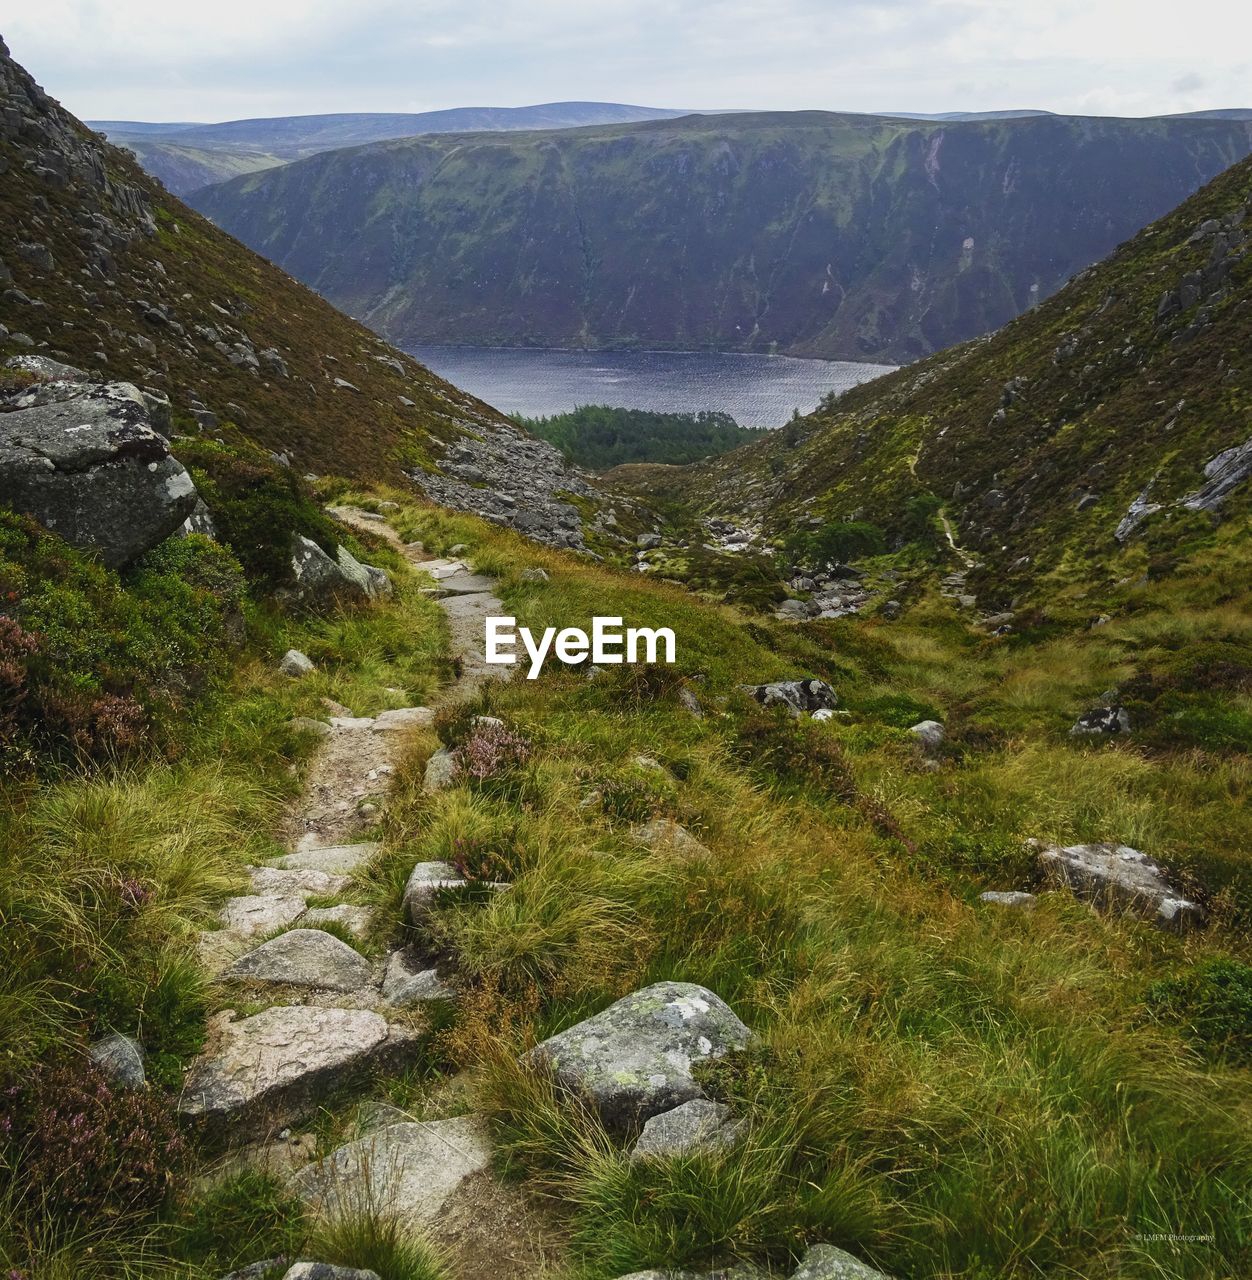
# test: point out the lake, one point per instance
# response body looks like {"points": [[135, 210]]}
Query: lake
{"points": [[757, 391]]}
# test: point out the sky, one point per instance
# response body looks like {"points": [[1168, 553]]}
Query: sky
{"points": [[231, 59]]}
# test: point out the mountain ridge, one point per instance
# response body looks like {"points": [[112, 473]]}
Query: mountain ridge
{"points": [[811, 233]]}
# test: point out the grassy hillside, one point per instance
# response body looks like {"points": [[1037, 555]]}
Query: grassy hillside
{"points": [[103, 269], [1033, 443], [186, 157], [853, 237]]}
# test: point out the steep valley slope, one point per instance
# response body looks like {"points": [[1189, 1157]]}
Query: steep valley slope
{"points": [[853, 237]]}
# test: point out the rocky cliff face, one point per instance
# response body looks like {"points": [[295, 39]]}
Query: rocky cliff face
{"points": [[847, 236], [103, 271]]}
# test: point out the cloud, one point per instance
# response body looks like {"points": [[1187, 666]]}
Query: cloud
{"points": [[150, 59]]}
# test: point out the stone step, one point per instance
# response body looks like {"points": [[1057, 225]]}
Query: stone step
{"points": [[464, 584], [336, 859], [410, 1170], [272, 1069], [304, 881], [305, 958]]}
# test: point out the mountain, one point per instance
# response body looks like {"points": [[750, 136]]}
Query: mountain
{"points": [[852, 237], [1103, 437], [187, 156]]}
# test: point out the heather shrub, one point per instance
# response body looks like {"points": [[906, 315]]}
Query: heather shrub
{"points": [[78, 1147], [491, 752]]}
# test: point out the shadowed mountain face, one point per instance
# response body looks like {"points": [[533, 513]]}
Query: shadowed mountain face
{"points": [[188, 156], [853, 237]]}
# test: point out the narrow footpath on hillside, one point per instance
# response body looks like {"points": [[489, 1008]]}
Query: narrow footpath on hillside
{"points": [[341, 1023]]}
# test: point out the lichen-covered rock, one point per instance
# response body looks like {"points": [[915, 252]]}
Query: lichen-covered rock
{"points": [[296, 664], [440, 771], [635, 1058], [797, 696], [304, 958], [408, 1170], [322, 583], [324, 1271], [254, 914], [91, 468], [1008, 898], [406, 983], [1119, 877], [826, 1262], [698, 1125], [275, 1066], [424, 883], [929, 733]]}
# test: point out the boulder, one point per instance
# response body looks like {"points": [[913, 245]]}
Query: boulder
{"points": [[295, 664], [535, 575], [277, 1065], [409, 1170], [440, 771], [1115, 876], [1101, 722], [91, 469], [304, 958], [45, 369], [929, 734], [666, 833], [648, 541], [404, 718], [634, 1059], [825, 1262], [322, 583], [797, 610], [1222, 475], [797, 696], [120, 1059], [698, 1125], [306, 724]]}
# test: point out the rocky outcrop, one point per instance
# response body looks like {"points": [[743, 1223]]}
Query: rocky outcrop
{"points": [[87, 464], [798, 696], [513, 479], [635, 1059], [1101, 722], [1117, 877], [1222, 475]]}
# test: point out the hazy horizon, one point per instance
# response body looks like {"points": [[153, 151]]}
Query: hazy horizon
{"points": [[237, 61]]}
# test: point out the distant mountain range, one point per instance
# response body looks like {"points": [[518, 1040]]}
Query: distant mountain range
{"points": [[186, 156], [845, 236]]}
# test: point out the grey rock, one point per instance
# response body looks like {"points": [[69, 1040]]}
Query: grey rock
{"points": [[424, 884], [295, 880], [402, 718], [1138, 511], [826, 1262], [930, 733], [665, 832], [405, 985], [797, 610], [797, 696], [440, 771], [200, 521], [1008, 898], [306, 724], [409, 1171], [252, 915], [1101, 722], [373, 583], [634, 1059], [535, 575], [341, 859], [305, 958], [46, 370], [1118, 877], [698, 1125], [120, 1059], [276, 1065], [1223, 474], [93, 470], [295, 664], [324, 1271], [647, 541], [323, 583]]}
